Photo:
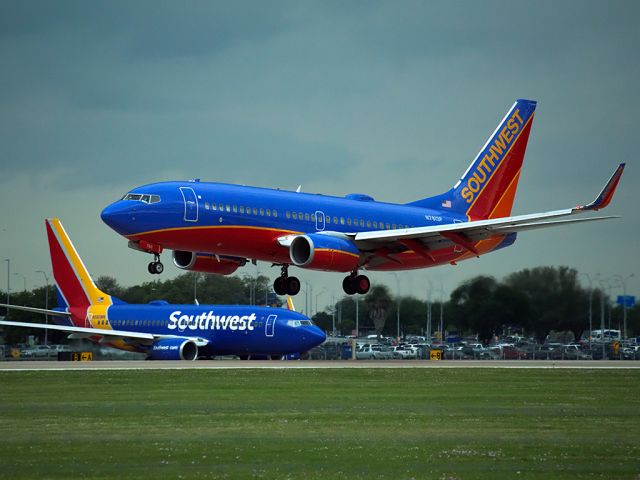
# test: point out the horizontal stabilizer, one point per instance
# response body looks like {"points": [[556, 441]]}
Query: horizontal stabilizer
{"points": [[83, 332], [90, 331], [43, 311]]}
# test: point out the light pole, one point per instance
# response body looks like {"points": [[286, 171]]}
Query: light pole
{"points": [[607, 282], [429, 311], [590, 306], [397, 305], [317, 295], [441, 290], [46, 303], [601, 282], [8, 283], [304, 286], [195, 288], [333, 316], [623, 284], [357, 316]]}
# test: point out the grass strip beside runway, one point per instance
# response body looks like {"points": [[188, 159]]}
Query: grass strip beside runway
{"points": [[343, 423]]}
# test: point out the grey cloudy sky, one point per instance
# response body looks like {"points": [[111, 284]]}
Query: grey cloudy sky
{"points": [[393, 99]]}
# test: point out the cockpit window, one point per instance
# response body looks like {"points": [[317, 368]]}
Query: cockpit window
{"points": [[132, 196], [299, 323], [139, 197]]}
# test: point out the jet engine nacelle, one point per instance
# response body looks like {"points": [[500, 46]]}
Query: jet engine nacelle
{"points": [[206, 262], [324, 252], [174, 349]]}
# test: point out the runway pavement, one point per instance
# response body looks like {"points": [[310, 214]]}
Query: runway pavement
{"points": [[274, 364]]}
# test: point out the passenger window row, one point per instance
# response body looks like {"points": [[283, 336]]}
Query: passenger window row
{"points": [[304, 216], [241, 209]]}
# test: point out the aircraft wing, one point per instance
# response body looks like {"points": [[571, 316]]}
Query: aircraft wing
{"points": [[108, 335], [465, 234]]}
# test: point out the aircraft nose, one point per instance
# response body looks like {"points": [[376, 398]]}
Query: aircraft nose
{"points": [[118, 216], [315, 336]]}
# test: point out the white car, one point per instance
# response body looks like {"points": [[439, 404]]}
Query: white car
{"points": [[365, 352], [403, 353]]}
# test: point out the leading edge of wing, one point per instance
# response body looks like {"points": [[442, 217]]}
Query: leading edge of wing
{"points": [[502, 225], [487, 225]]}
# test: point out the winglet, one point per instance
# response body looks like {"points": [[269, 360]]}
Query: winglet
{"points": [[604, 197]]}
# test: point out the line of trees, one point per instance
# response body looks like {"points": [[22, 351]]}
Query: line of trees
{"points": [[535, 301]]}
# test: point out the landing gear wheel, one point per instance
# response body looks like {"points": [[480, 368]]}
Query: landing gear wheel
{"points": [[155, 268], [349, 285], [362, 284], [280, 286], [293, 285]]}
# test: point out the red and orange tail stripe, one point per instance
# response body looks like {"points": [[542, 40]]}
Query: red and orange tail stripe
{"points": [[71, 275], [497, 192]]}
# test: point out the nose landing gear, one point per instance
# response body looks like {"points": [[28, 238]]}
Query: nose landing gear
{"points": [[156, 267], [286, 285]]}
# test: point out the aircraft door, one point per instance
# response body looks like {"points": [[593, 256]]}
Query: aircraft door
{"points": [[319, 220], [270, 326], [190, 204]]}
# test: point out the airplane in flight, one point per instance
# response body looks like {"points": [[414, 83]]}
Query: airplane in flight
{"points": [[218, 227], [161, 330]]}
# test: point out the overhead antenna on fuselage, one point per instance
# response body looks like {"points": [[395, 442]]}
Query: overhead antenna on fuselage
{"points": [[298, 189]]}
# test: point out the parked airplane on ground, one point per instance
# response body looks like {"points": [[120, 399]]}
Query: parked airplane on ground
{"points": [[216, 227], [159, 329]]}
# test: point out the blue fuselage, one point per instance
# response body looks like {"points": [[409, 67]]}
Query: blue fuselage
{"points": [[228, 329], [248, 222]]}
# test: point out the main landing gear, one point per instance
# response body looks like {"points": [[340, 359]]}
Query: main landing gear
{"points": [[352, 284], [355, 283], [286, 285], [156, 267]]}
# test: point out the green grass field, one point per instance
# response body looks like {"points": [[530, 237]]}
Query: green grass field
{"points": [[373, 424]]}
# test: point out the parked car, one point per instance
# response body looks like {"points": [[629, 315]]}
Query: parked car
{"points": [[40, 351], [403, 353], [548, 352], [365, 352], [381, 352], [575, 352]]}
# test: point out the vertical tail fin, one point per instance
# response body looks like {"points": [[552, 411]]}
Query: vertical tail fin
{"points": [[290, 305], [72, 278], [488, 187]]}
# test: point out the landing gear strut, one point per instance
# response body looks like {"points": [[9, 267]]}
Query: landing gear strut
{"points": [[286, 285], [355, 283], [156, 267]]}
